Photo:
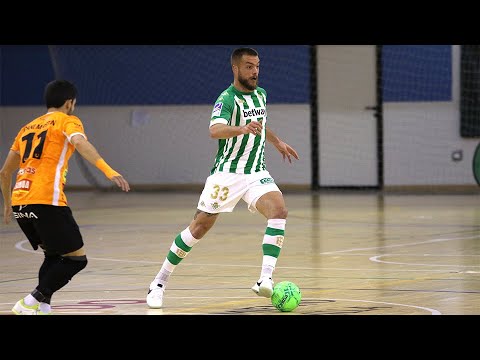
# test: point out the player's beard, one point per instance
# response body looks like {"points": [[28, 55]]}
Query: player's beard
{"points": [[248, 83]]}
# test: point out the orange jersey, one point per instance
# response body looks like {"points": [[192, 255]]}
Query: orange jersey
{"points": [[44, 148]]}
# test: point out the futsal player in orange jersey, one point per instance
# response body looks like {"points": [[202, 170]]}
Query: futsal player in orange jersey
{"points": [[40, 153]]}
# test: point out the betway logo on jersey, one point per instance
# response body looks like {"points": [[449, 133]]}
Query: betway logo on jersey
{"points": [[23, 185], [253, 113]]}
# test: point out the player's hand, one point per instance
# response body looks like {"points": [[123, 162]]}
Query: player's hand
{"points": [[254, 127], [287, 151], [121, 182], [7, 214]]}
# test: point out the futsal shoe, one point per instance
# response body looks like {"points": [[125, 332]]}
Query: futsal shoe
{"points": [[155, 297], [263, 287], [21, 308]]}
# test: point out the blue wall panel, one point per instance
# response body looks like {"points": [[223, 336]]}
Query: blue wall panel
{"points": [[25, 69], [149, 74], [196, 74], [414, 73]]}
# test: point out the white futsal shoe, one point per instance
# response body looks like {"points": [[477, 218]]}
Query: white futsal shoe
{"points": [[263, 287], [155, 297]]}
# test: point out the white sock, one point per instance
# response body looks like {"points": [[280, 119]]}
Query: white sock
{"points": [[163, 275], [272, 239], [167, 267], [267, 271], [44, 307], [29, 300]]}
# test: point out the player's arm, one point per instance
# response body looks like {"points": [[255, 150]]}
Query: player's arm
{"points": [[6, 172], [286, 150], [89, 153], [224, 131]]}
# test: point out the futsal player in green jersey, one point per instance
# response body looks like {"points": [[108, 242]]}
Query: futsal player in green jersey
{"points": [[239, 122]]}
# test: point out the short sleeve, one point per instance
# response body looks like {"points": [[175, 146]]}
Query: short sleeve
{"points": [[73, 126], [222, 111]]}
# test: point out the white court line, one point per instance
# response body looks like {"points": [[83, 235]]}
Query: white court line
{"points": [[400, 245], [376, 259], [433, 311], [105, 301]]}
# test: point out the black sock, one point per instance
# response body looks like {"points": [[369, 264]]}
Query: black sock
{"points": [[60, 274]]}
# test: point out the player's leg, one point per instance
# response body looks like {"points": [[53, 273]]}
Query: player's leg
{"points": [[48, 261], [26, 216], [179, 249], [29, 226], [27, 223], [267, 199], [64, 253], [220, 194], [58, 275]]}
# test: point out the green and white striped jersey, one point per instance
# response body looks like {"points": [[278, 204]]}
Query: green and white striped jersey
{"points": [[243, 154]]}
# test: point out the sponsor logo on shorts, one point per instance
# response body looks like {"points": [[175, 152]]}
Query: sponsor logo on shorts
{"points": [[267, 181], [25, 215]]}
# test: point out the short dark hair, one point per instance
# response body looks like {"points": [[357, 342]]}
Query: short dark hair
{"points": [[59, 91], [239, 52]]}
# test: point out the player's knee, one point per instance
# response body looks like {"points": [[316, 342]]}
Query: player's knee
{"points": [[199, 231], [52, 257], [201, 227], [280, 213], [76, 263]]}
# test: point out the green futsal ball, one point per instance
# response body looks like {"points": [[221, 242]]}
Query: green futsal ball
{"points": [[286, 296]]}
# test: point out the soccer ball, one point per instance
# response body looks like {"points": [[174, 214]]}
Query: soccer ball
{"points": [[286, 296]]}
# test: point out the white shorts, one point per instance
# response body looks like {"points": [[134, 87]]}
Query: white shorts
{"points": [[223, 191]]}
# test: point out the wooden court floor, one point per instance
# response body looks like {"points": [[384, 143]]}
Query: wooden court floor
{"points": [[350, 254]]}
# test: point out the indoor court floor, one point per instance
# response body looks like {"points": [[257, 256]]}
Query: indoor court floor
{"points": [[350, 253]]}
